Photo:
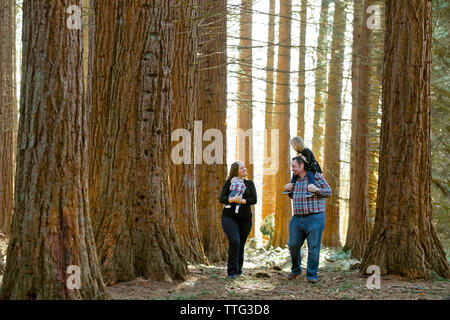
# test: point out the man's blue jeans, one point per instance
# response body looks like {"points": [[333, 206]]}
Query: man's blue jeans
{"points": [[309, 228]]}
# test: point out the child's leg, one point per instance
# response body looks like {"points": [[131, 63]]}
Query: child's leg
{"points": [[294, 178], [311, 178], [238, 205]]}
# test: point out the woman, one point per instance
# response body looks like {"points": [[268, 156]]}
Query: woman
{"points": [[237, 226]]}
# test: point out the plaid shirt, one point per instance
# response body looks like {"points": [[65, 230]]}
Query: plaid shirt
{"points": [[305, 205], [238, 186]]}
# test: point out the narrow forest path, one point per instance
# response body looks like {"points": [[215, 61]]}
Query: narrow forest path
{"points": [[264, 277]]}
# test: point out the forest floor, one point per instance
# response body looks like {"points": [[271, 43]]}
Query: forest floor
{"points": [[264, 278]]}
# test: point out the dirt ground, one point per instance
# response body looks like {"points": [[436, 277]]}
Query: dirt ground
{"points": [[264, 278]]}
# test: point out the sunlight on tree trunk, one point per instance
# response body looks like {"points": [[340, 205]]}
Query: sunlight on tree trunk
{"points": [[268, 188], [320, 83], [301, 71], [281, 122], [333, 109]]}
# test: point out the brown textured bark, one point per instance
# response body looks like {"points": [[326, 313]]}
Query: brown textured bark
{"points": [[8, 112], [184, 105], [320, 83], [281, 122], [375, 116], [301, 71], [268, 187], [358, 8], [130, 123], [244, 143], [358, 220], [244, 148], [51, 228], [212, 113], [85, 20], [333, 127], [403, 240]]}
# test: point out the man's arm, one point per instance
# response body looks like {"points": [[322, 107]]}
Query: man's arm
{"points": [[324, 189]]}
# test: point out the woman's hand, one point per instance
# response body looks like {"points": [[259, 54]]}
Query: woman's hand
{"points": [[237, 199], [240, 200]]}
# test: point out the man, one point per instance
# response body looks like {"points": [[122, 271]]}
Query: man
{"points": [[308, 219]]}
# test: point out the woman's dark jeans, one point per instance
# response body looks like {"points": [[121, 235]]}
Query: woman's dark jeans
{"points": [[237, 232]]}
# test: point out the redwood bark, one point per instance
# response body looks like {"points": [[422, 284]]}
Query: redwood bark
{"points": [[8, 112], [403, 240], [358, 220], [268, 187], [212, 112], [244, 148], [301, 71], [374, 118], [332, 169], [185, 83], [320, 83], [51, 228], [281, 122], [130, 125]]}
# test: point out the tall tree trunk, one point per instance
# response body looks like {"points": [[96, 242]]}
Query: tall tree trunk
{"points": [[184, 105], [51, 228], [130, 139], [268, 187], [358, 223], [8, 112], [403, 240], [358, 9], [374, 117], [86, 19], [244, 146], [301, 71], [244, 143], [320, 82], [281, 122], [212, 113], [333, 126]]}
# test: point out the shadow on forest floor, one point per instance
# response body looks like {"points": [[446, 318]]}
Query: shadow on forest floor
{"points": [[264, 277]]}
